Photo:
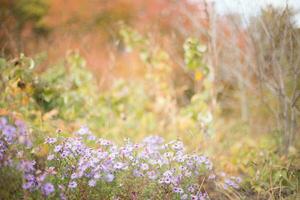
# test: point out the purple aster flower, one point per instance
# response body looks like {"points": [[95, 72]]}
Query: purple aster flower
{"points": [[178, 190], [104, 142], [179, 158], [137, 173], [190, 163], [65, 154], [3, 122], [194, 197], [191, 189], [74, 175], [152, 175], [177, 146], [144, 166], [28, 185], [168, 173], [182, 168], [118, 165], [92, 183], [2, 145], [167, 180], [21, 127], [27, 166], [41, 177], [29, 177], [168, 154], [230, 183], [72, 184], [91, 137], [84, 130], [238, 179], [97, 176], [47, 189], [50, 140], [9, 133], [109, 177], [57, 148], [203, 196], [50, 157]]}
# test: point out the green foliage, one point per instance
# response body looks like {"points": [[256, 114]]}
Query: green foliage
{"points": [[199, 112], [270, 175], [10, 183], [30, 11], [18, 16], [134, 40], [196, 116], [56, 90], [15, 78], [267, 175], [193, 55], [68, 88]]}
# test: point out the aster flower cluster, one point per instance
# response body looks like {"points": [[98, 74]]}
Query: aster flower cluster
{"points": [[15, 143], [13, 137], [167, 165], [36, 179], [71, 163]]}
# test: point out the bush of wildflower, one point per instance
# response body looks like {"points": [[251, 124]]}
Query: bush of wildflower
{"points": [[83, 166]]}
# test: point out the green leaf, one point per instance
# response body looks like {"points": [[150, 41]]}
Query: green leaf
{"points": [[193, 55], [2, 63]]}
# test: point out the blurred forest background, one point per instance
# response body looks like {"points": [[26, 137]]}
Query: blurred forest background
{"points": [[173, 68]]}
